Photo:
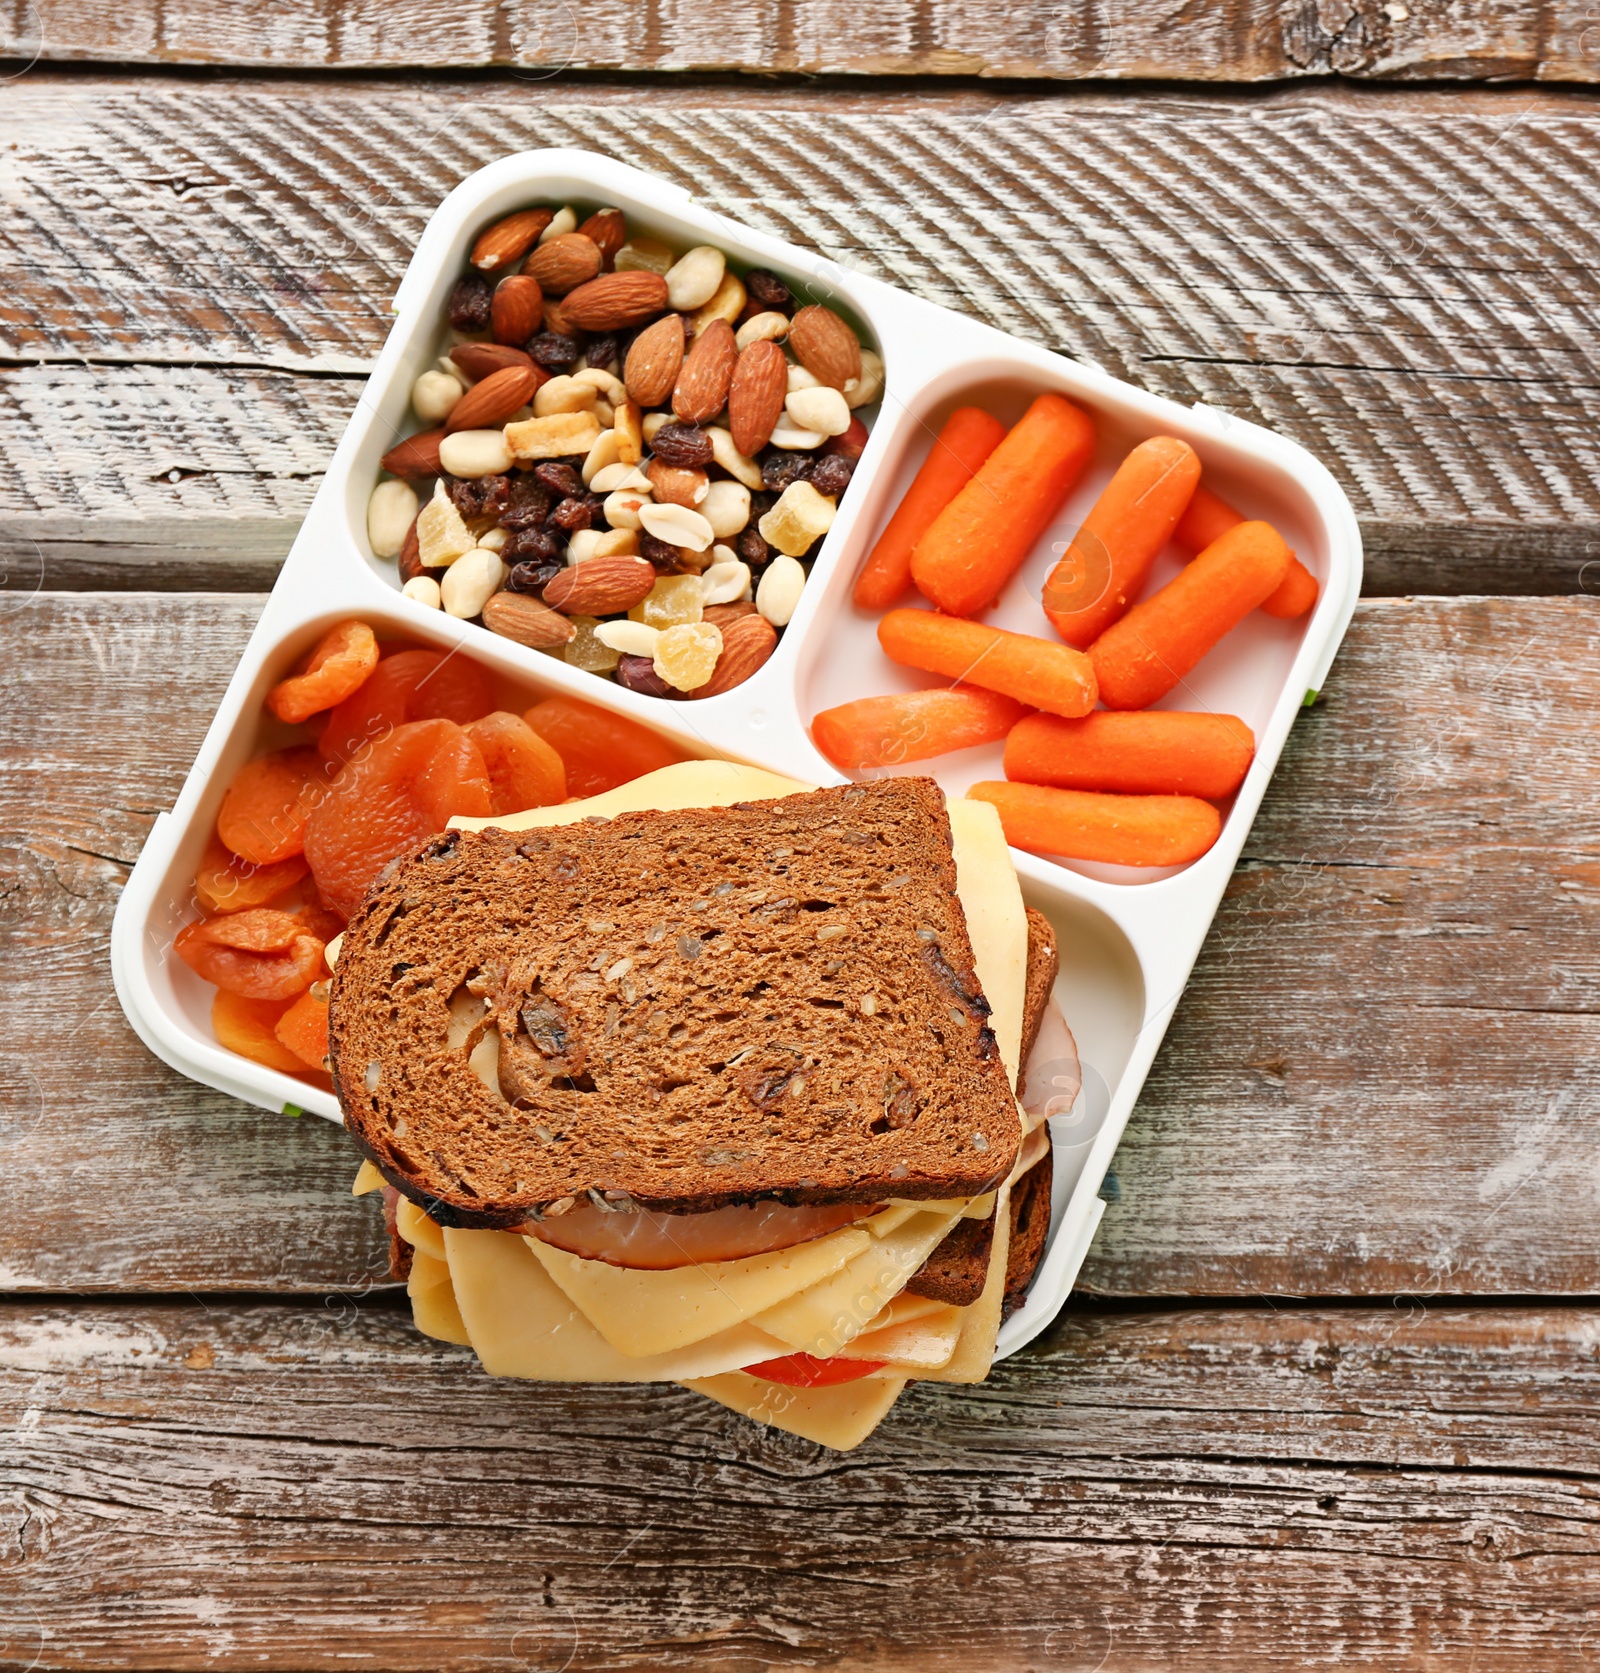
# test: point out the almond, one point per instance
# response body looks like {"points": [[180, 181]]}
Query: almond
{"points": [[609, 231], [828, 349], [562, 264], [702, 388], [409, 562], [756, 396], [555, 317], [416, 456], [506, 240], [527, 621], [601, 586], [478, 360], [673, 485], [493, 401], [719, 615], [616, 300], [517, 309], [654, 361], [747, 642]]}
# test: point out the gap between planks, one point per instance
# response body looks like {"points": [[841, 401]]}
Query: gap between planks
{"points": [[1066, 40], [1397, 281], [264, 1487], [1323, 1117]]}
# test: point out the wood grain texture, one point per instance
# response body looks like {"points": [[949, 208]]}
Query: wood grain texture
{"points": [[1414, 1110], [317, 1487], [1400, 282], [1245, 41]]}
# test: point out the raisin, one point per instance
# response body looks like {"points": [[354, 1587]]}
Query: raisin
{"points": [[748, 312], [580, 511], [532, 546], [553, 351], [602, 352], [527, 504], [560, 478], [778, 469], [638, 673], [831, 474], [470, 302], [753, 549], [761, 502], [480, 496], [533, 575], [661, 554], [769, 290], [682, 444]]}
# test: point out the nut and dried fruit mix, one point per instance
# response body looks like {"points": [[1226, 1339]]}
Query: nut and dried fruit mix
{"points": [[629, 454], [376, 746]]}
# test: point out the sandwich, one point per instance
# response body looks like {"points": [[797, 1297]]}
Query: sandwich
{"points": [[710, 1079]]}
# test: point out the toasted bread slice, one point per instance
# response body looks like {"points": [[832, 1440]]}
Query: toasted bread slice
{"points": [[685, 1011], [1030, 1230], [956, 1270], [1044, 965]]}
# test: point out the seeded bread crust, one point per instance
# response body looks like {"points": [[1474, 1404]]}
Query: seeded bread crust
{"points": [[956, 1271], [1030, 1230], [771, 1001], [1039, 980]]}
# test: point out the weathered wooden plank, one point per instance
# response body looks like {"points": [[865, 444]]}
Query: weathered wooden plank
{"points": [[1401, 283], [310, 1488], [1381, 1079], [1250, 40]]}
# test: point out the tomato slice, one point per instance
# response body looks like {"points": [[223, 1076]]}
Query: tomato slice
{"points": [[807, 1371]]}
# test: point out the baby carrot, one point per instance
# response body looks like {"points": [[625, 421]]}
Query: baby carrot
{"points": [[1206, 519], [969, 436], [978, 542], [1034, 671], [1142, 657], [912, 725], [1155, 753], [1110, 555], [1209, 518], [1119, 830]]}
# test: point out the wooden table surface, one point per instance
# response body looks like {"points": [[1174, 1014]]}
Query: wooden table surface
{"points": [[1327, 1395]]}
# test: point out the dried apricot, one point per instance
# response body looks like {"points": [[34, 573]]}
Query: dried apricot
{"points": [[600, 750], [247, 1027], [225, 883], [389, 800], [263, 815], [339, 662], [257, 954], [524, 771], [303, 1028], [410, 685]]}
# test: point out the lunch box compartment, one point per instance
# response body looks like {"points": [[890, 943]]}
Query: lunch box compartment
{"points": [[1128, 938]]}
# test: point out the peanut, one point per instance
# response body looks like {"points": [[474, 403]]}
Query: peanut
{"points": [[390, 514]]}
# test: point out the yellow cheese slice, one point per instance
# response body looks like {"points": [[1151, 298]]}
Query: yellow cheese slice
{"points": [[654, 1312], [915, 1345], [521, 1325], [434, 1313], [840, 1417], [980, 1323], [433, 1301], [423, 1234], [688, 784], [823, 1318], [991, 897], [367, 1179]]}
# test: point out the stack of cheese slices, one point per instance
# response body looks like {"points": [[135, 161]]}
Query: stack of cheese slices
{"points": [[709, 1079]]}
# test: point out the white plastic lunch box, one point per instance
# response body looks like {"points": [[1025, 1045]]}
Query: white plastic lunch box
{"points": [[1128, 938]]}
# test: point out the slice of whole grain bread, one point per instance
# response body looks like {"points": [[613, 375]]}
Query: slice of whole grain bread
{"points": [[956, 1270], [774, 1000], [1030, 1229]]}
